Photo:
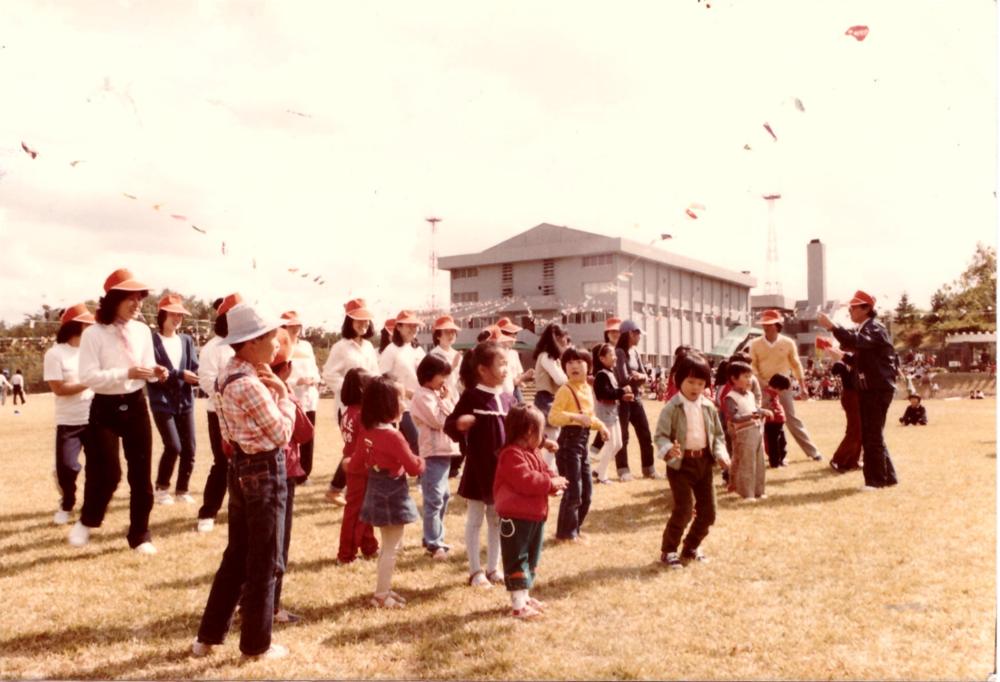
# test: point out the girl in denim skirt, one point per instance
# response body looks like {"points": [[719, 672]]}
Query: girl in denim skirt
{"points": [[388, 457]]}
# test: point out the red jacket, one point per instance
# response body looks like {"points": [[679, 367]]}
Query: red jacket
{"points": [[350, 428], [387, 449], [302, 432], [522, 485]]}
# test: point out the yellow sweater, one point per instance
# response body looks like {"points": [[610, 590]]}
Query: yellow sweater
{"points": [[767, 359], [564, 403]]}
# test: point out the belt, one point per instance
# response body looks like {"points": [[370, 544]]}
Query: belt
{"points": [[608, 402], [695, 453], [742, 425]]}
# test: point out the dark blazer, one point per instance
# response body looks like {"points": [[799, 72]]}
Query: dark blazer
{"points": [[173, 396], [875, 361]]}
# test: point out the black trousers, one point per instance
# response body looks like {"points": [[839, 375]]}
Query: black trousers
{"points": [[286, 543], [777, 447], [177, 434], [877, 465], [18, 393], [633, 413], [215, 486], [306, 450], [114, 419], [69, 441]]}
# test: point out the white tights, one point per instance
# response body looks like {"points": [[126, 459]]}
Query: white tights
{"points": [[392, 540], [473, 524]]}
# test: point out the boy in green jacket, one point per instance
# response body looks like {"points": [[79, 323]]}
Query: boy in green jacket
{"points": [[689, 434]]}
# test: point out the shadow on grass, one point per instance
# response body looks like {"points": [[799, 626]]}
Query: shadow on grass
{"points": [[791, 500], [7, 570], [116, 505]]}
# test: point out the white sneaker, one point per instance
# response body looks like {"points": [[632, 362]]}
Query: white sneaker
{"points": [[206, 525], [146, 548], [184, 497], [868, 488], [163, 497], [61, 518], [200, 649], [79, 535], [275, 652]]}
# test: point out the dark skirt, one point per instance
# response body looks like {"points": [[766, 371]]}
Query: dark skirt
{"points": [[387, 501]]}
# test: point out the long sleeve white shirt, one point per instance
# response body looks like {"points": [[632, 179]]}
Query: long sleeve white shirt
{"points": [[212, 358], [105, 361], [514, 369], [344, 356], [304, 367], [400, 362], [549, 374]]}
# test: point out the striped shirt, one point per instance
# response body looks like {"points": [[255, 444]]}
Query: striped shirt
{"points": [[249, 414]]}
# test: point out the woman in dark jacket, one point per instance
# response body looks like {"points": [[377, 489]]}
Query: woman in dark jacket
{"points": [[172, 401], [630, 371]]}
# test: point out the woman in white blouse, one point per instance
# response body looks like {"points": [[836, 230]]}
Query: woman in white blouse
{"points": [[549, 374], [304, 382], [352, 350], [116, 361], [444, 335], [399, 360]]}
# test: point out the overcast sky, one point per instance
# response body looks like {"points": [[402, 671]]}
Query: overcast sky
{"points": [[319, 136]]}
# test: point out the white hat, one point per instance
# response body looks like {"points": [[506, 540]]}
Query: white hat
{"points": [[248, 322]]}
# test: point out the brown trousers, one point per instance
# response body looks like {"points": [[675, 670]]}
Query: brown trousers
{"points": [[849, 451]]}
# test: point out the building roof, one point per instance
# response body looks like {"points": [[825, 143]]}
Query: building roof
{"points": [[556, 241], [971, 337]]}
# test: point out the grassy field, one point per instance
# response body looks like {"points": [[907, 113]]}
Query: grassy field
{"points": [[819, 581]]}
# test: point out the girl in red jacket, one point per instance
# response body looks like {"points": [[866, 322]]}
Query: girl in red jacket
{"points": [[521, 487]]}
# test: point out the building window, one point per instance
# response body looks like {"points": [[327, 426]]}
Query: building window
{"points": [[603, 259], [507, 280], [597, 288], [462, 273], [637, 307], [548, 277], [465, 297]]}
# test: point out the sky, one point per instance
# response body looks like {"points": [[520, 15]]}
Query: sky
{"points": [[319, 136]]}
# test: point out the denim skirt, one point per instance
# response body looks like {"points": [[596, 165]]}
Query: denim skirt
{"points": [[387, 501]]}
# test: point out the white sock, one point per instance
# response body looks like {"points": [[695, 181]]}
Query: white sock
{"points": [[519, 599]]}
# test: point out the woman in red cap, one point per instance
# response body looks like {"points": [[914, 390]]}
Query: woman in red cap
{"points": [[874, 370], [213, 357], [62, 372], [172, 400], [116, 361], [444, 335], [399, 360], [304, 382], [353, 350]]}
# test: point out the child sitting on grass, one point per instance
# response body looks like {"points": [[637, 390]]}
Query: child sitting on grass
{"points": [[355, 534], [915, 412], [387, 503], [521, 489], [573, 411], [689, 434]]}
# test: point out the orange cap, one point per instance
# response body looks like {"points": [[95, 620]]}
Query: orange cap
{"points": [[77, 313], [357, 310], [407, 317], [284, 347], [173, 303], [390, 324], [123, 280], [505, 325], [613, 324], [771, 317], [291, 319], [228, 302], [861, 298], [445, 322]]}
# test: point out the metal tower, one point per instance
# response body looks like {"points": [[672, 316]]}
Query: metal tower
{"points": [[772, 283], [433, 260]]}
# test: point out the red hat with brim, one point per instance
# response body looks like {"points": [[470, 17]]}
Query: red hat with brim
{"points": [[613, 324], [77, 313], [772, 317], [407, 317], [172, 303], [356, 310], [228, 302], [390, 324], [495, 333], [123, 280], [444, 323], [291, 319], [861, 298], [507, 326]]}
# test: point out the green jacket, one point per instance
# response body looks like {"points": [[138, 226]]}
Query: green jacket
{"points": [[672, 426]]}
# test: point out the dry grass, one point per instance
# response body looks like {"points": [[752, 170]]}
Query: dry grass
{"points": [[819, 581]]}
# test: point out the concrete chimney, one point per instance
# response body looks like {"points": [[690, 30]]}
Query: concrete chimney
{"points": [[816, 273]]}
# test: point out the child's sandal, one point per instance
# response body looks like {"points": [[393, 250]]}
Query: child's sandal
{"points": [[398, 597], [536, 604], [386, 602], [526, 613], [479, 579], [495, 577]]}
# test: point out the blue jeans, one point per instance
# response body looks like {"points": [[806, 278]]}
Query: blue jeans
{"points": [[434, 485], [253, 558], [574, 465], [69, 441], [177, 434]]}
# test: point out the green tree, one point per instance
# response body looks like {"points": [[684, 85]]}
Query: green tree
{"points": [[906, 312]]}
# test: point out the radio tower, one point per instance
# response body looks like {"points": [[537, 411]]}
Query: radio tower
{"points": [[433, 260], [772, 284]]}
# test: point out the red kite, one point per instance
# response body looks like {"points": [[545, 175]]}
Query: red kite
{"points": [[177, 216], [767, 127], [31, 152], [822, 342], [857, 32]]}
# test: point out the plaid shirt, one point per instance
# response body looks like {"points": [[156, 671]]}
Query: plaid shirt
{"points": [[249, 414]]}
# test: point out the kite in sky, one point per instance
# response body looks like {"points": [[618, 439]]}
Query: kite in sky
{"points": [[767, 127], [857, 32], [28, 150], [799, 105], [198, 229]]}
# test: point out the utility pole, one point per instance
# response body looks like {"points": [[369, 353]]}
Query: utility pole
{"points": [[433, 260], [772, 283]]}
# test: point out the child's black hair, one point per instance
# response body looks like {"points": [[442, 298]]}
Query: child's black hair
{"points": [[779, 382], [722, 373], [522, 420], [430, 367], [599, 350], [483, 335], [694, 366], [347, 329], [738, 369], [353, 389], [482, 355], [68, 331], [380, 404], [571, 354]]}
